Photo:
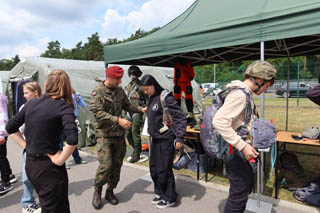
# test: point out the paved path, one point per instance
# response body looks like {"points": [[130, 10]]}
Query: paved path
{"points": [[135, 191]]}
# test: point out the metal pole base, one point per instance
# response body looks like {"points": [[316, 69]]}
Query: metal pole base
{"points": [[264, 207]]}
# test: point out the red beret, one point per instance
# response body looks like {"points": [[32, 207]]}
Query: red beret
{"points": [[114, 72]]}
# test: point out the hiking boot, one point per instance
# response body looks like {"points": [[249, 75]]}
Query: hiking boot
{"points": [[156, 200], [33, 208], [164, 204], [12, 179], [5, 188], [113, 200], [134, 158], [96, 201]]}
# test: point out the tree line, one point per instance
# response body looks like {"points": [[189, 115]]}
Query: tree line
{"points": [[305, 67]]}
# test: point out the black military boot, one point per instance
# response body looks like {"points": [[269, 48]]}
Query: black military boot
{"points": [[96, 201], [134, 158], [113, 200]]}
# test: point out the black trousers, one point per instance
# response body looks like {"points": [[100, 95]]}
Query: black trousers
{"points": [[4, 163], [161, 160], [51, 184], [241, 180]]}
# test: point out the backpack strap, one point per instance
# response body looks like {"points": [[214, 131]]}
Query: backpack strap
{"points": [[166, 117], [248, 110]]}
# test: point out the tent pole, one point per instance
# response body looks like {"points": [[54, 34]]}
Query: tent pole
{"points": [[260, 173], [287, 103]]}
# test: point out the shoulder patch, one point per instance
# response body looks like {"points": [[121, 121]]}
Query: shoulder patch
{"points": [[94, 93]]}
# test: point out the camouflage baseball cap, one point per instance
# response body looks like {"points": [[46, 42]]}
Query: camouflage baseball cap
{"points": [[261, 69]]}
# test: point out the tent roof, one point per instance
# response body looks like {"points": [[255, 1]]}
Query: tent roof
{"points": [[216, 31]]}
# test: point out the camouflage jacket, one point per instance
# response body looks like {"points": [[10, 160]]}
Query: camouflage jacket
{"points": [[135, 94], [107, 105]]}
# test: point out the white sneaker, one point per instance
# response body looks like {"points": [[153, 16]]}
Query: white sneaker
{"points": [[33, 208], [13, 179], [164, 204], [156, 200]]}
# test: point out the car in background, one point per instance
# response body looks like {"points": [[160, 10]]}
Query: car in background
{"points": [[293, 90], [209, 87]]}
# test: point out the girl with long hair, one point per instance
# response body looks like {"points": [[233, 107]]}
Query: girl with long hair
{"points": [[165, 138], [45, 119]]}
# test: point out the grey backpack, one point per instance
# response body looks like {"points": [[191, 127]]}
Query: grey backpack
{"points": [[263, 133], [212, 142]]}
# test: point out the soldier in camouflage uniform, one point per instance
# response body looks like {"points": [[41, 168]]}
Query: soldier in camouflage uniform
{"points": [[107, 102], [138, 98]]}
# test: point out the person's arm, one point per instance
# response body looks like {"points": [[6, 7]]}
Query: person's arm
{"points": [[314, 94], [18, 138], [17, 121], [179, 118], [59, 158], [127, 106], [71, 133], [81, 101], [3, 118]]}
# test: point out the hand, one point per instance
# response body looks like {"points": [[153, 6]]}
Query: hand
{"points": [[2, 141], [144, 109], [124, 123], [249, 152], [178, 145], [55, 159]]}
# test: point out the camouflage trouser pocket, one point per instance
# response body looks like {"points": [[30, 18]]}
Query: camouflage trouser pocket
{"points": [[103, 150], [99, 144]]}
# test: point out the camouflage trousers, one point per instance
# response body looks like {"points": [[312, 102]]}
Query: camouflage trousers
{"points": [[111, 152], [133, 134]]}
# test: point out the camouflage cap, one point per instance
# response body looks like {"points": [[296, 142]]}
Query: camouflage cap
{"points": [[261, 69]]}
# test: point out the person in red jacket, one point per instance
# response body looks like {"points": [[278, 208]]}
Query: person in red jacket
{"points": [[183, 75]]}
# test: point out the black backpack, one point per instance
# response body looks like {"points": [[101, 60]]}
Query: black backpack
{"points": [[292, 171]]}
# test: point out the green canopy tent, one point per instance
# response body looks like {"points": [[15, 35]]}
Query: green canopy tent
{"points": [[216, 31]]}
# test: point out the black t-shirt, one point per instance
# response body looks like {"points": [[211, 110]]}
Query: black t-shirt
{"points": [[45, 120]]}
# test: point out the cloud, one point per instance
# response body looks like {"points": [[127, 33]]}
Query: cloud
{"points": [[114, 25], [25, 49], [25, 26], [58, 11], [152, 13], [24, 23]]}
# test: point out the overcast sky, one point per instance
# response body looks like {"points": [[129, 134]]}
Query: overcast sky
{"points": [[26, 26]]}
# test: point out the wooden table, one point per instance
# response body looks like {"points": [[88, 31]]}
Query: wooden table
{"points": [[285, 137]]}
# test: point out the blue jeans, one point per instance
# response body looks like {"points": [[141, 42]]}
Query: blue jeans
{"points": [[27, 197], [75, 154]]}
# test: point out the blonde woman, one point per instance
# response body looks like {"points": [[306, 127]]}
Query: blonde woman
{"points": [[45, 119], [31, 90]]}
